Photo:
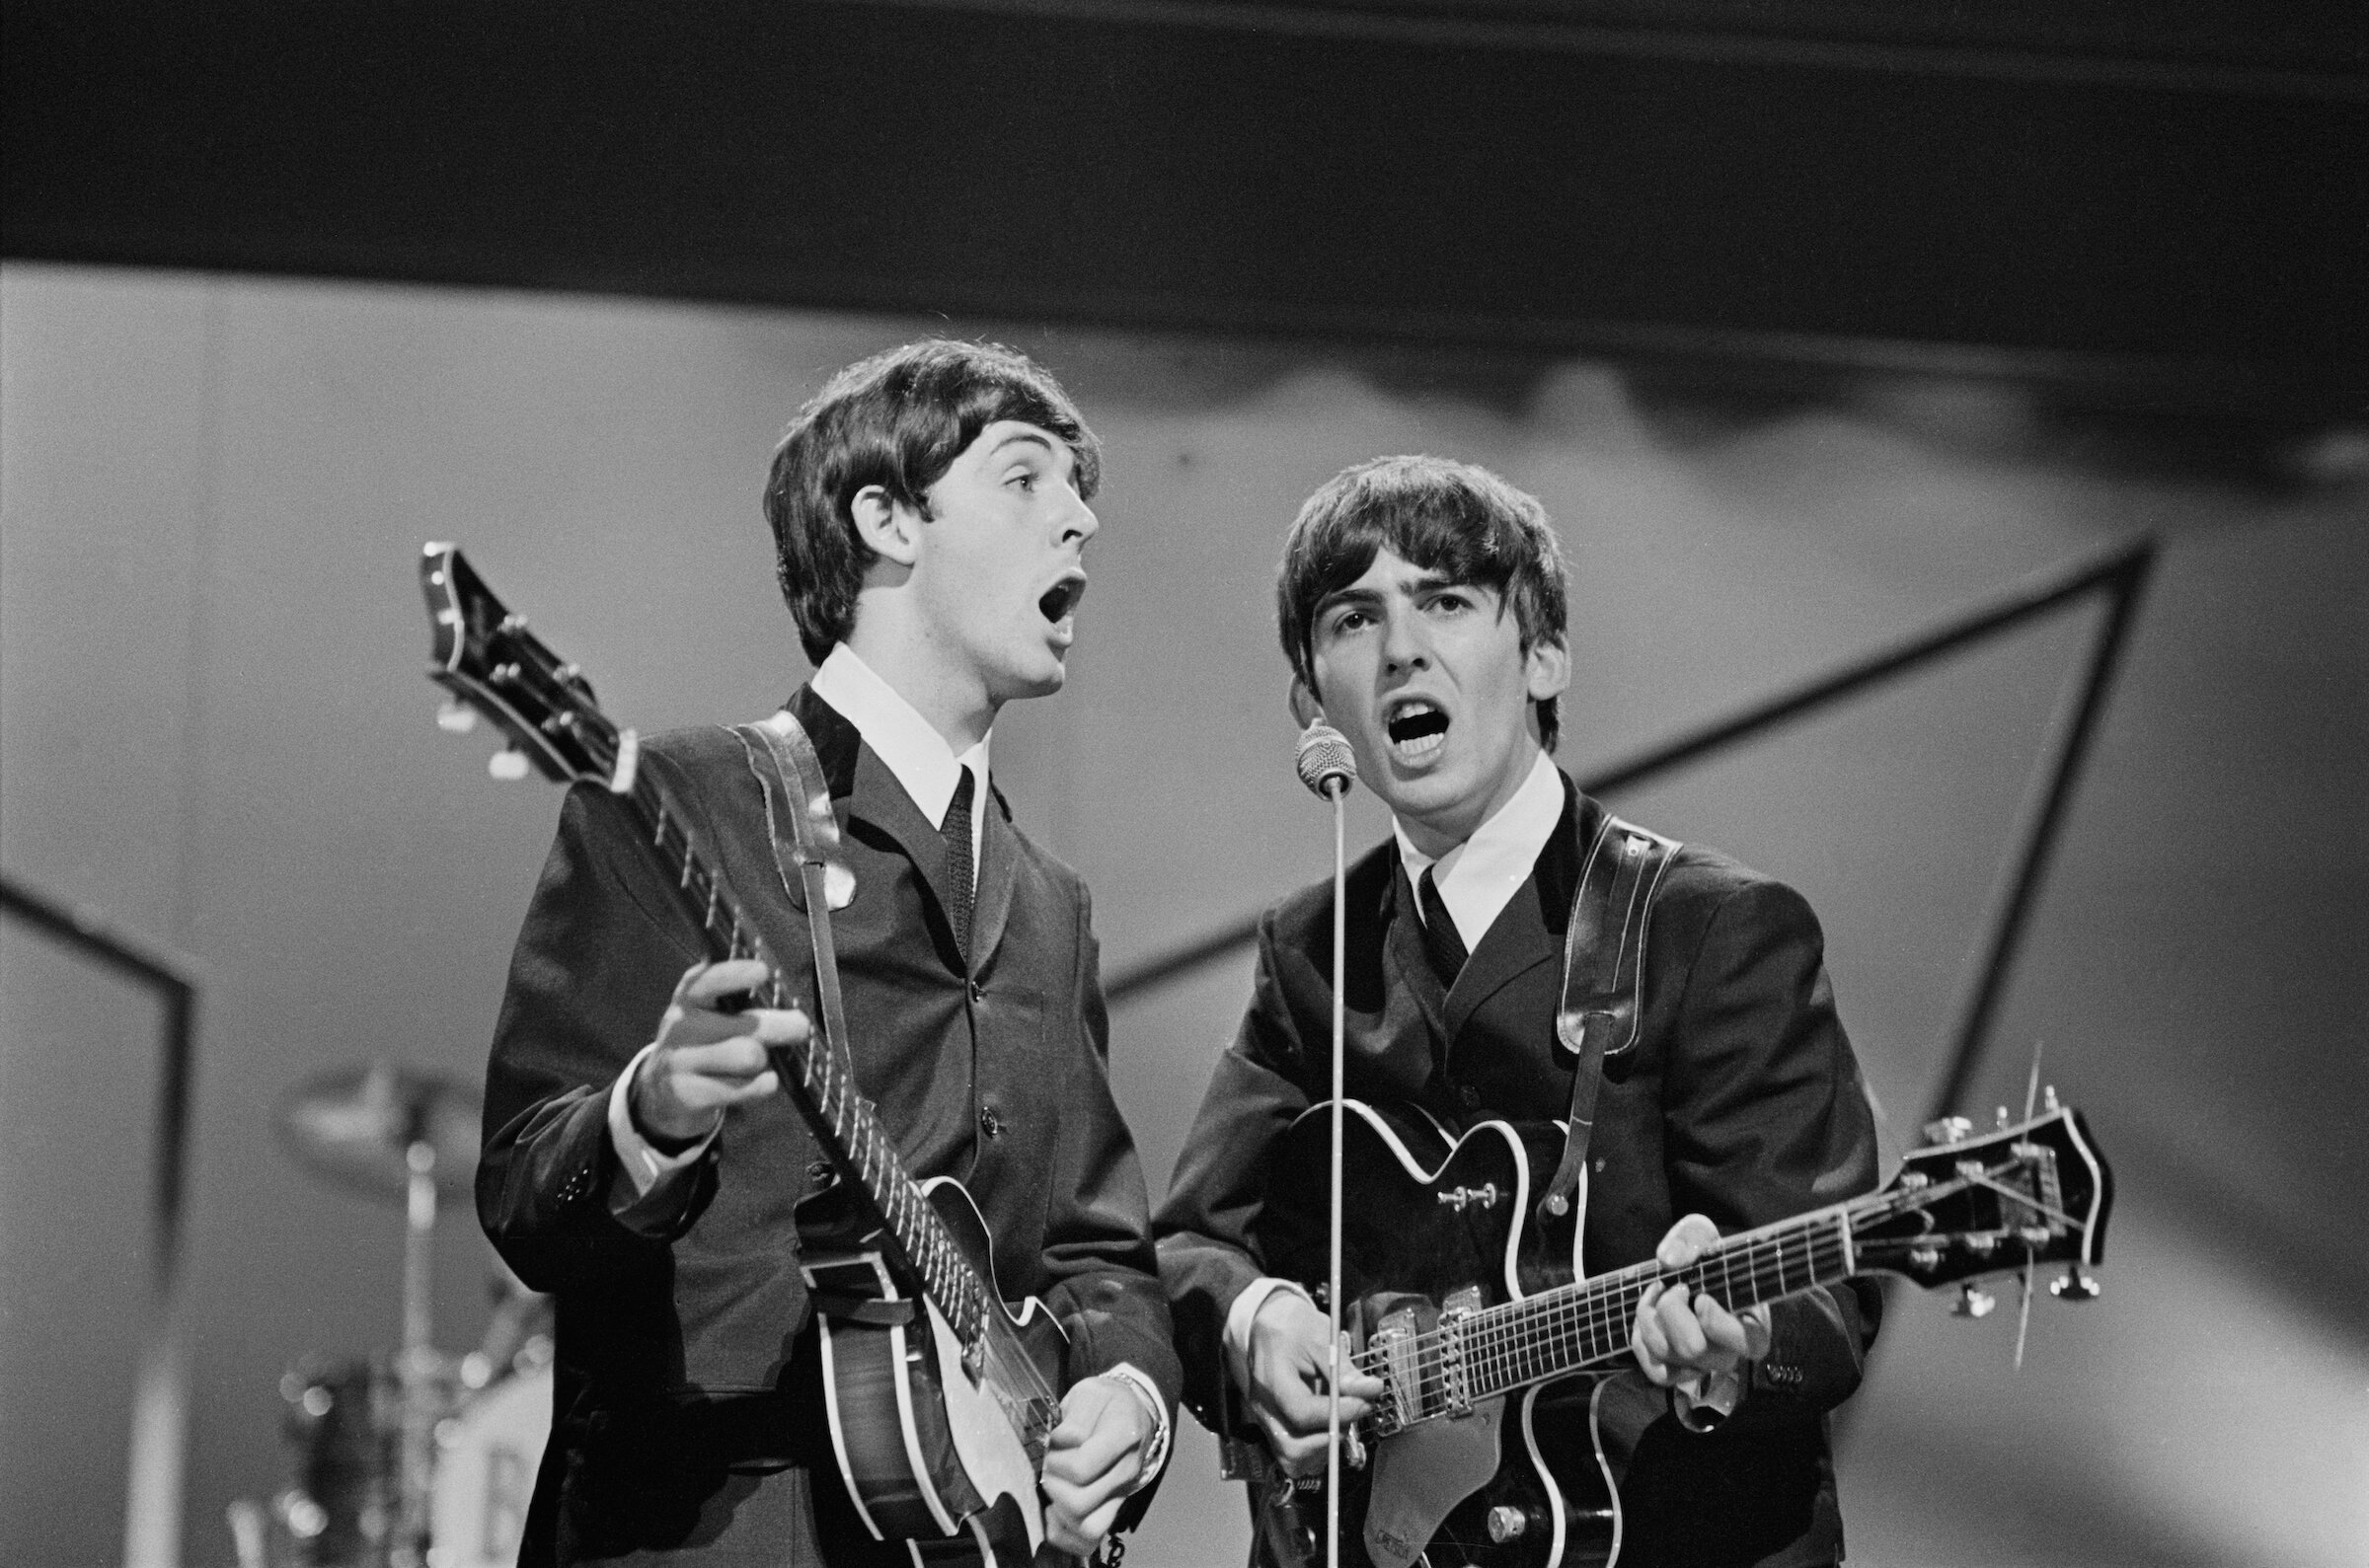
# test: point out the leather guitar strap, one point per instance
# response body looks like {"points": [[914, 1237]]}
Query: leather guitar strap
{"points": [[806, 855], [1603, 976]]}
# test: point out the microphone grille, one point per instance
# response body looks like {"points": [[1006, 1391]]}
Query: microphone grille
{"points": [[1324, 755]]}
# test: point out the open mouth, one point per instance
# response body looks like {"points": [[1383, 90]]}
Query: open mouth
{"points": [[1062, 598], [1418, 728]]}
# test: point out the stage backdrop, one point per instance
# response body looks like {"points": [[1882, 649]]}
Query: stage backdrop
{"points": [[213, 726]]}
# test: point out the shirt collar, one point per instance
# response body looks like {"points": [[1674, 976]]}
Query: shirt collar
{"points": [[1479, 878], [901, 738]]}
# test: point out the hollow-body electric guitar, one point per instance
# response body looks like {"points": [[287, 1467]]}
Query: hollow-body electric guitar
{"points": [[941, 1397], [1508, 1420]]}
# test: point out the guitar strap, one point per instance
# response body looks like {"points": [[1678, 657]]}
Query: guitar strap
{"points": [[1603, 977], [805, 855]]}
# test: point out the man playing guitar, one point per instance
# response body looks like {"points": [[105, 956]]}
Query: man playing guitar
{"points": [[929, 509], [1422, 612]]}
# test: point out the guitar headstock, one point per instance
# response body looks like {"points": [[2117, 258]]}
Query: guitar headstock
{"points": [[494, 667], [1971, 1206]]}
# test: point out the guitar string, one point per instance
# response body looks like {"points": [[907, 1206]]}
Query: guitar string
{"points": [[850, 1121], [1518, 1341], [922, 1237], [1593, 1319]]}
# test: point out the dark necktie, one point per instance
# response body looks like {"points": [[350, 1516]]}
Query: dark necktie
{"points": [[958, 875], [1441, 943]]}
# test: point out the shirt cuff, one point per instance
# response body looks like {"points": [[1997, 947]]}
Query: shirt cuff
{"points": [[1156, 1459], [1702, 1402], [646, 1168]]}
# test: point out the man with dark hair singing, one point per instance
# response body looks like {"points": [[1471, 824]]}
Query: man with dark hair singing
{"points": [[1422, 609], [929, 513]]}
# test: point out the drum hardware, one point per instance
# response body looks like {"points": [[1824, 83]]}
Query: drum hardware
{"points": [[413, 1459]]}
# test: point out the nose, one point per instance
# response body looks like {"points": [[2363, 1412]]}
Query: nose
{"points": [[1080, 524], [1405, 644]]}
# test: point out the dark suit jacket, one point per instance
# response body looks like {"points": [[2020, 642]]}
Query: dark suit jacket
{"points": [[1740, 1099], [688, 1417]]}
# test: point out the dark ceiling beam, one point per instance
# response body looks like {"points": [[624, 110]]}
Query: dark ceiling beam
{"points": [[2151, 225]]}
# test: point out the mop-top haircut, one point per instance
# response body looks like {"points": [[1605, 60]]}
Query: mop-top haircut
{"points": [[898, 420], [1452, 519]]}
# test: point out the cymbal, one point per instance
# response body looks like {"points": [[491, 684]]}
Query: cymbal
{"points": [[355, 1126]]}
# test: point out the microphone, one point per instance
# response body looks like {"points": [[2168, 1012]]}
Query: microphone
{"points": [[1327, 765], [1325, 761]]}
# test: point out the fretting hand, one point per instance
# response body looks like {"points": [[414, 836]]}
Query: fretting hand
{"points": [[708, 1061], [1684, 1337]]}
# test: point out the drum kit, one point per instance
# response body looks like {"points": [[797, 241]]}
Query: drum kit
{"points": [[416, 1458]]}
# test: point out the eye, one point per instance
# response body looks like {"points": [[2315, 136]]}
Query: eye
{"points": [[1026, 480], [1343, 621]]}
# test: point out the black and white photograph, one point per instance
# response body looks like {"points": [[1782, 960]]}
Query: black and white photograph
{"points": [[1334, 783]]}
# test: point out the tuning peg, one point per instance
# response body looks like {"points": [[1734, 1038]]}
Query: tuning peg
{"points": [[2049, 1098], [1972, 1303], [1949, 1130], [507, 765], [2004, 1118], [456, 719], [2074, 1286]]}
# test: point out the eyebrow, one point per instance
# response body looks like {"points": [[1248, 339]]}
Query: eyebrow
{"points": [[1426, 582], [1032, 436]]}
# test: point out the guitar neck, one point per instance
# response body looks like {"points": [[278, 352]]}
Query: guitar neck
{"points": [[1581, 1325], [822, 1085], [1586, 1323]]}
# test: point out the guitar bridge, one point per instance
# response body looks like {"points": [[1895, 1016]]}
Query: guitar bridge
{"points": [[1455, 1386], [1484, 1196]]}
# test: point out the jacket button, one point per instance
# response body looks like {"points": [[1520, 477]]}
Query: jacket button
{"points": [[978, 992], [991, 1122]]}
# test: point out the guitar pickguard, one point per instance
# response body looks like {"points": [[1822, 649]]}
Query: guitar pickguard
{"points": [[1517, 1483]]}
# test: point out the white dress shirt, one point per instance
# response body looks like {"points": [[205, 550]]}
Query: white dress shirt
{"points": [[1479, 878]]}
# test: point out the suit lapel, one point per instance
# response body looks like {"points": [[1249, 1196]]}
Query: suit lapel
{"points": [[876, 807], [1529, 930]]}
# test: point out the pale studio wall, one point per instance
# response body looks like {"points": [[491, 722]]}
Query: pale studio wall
{"points": [[213, 725]]}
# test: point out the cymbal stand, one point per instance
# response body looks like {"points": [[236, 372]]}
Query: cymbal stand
{"points": [[416, 1370]]}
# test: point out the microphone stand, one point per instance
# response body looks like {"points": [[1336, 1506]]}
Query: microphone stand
{"points": [[1337, 790]]}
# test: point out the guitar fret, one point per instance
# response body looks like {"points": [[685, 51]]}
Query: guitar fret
{"points": [[1563, 1330]]}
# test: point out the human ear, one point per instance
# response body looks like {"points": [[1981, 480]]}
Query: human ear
{"points": [[892, 532], [1549, 666], [1305, 708]]}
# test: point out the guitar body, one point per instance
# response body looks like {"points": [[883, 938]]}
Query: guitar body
{"points": [[934, 1453], [1433, 1217]]}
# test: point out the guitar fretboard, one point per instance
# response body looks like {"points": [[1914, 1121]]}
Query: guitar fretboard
{"points": [[825, 1087], [1586, 1323]]}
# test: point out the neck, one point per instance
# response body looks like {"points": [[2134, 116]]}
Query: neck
{"points": [[912, 657], [1438, 833]]}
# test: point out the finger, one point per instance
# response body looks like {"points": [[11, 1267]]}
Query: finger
{"points": [[739, 1057], [1680, 1327], [706, 984], [1651, 1349], [1356, 1384], [1721, 1328], [702, 1095], [1759, 1333], [1685, 1241]]}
